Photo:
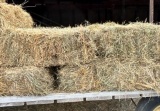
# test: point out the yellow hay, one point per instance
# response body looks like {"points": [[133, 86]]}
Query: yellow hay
{"points": [[97, 57], [139, 41], [2, 1], [23, 81], [79, 45], [14, 16], [45, 47], [110, 75]]}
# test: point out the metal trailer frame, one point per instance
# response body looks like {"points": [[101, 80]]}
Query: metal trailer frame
{"points": [[73, 97]]}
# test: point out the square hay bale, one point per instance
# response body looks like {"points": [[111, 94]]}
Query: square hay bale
{"points": [[110, 75], [79, 45], [45, 47], [25, 81], [136, 41], [14, 16]]}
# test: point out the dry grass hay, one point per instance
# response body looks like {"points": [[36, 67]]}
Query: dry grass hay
{"points": [[111, 75], [45, 47], [138, 41], [79, 45], [14, 16], [24, 81], [2, 1]]}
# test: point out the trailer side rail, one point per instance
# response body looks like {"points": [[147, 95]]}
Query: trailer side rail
{"points": [[72, 97]]}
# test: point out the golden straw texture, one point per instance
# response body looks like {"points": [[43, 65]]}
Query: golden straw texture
{"points": [[24, 81], [110, 75], [14, 16], [45, 47], [2, 1], [139, 41], [79, 45], [94, 58]]}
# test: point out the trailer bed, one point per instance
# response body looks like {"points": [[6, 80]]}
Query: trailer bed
{"points": [[72, 97]]}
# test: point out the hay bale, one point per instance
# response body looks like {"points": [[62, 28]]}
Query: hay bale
{"points": [[24, 81], [110, 75], [138, 76], [88, 77], [79, 45], [138, 41], [45, 47], [2, 1], [14, 16]]}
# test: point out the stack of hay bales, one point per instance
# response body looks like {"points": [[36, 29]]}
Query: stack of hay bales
{"points": [[127, 59], [22, 80], [110, 75], [92, 58]]}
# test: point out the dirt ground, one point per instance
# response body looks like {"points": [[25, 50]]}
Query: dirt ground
{"points": [[110, 105]]}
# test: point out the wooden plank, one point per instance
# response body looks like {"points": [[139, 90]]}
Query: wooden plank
{"points": [[70, 100], [14, 99], [40, 102], [73, 97], [135, 94], [150, 95], [127, 96], [98, 98], [11, 104], [151, 11]]}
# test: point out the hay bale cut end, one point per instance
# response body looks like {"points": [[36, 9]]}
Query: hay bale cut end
{"points": [[25, 81], [14, 16]]}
